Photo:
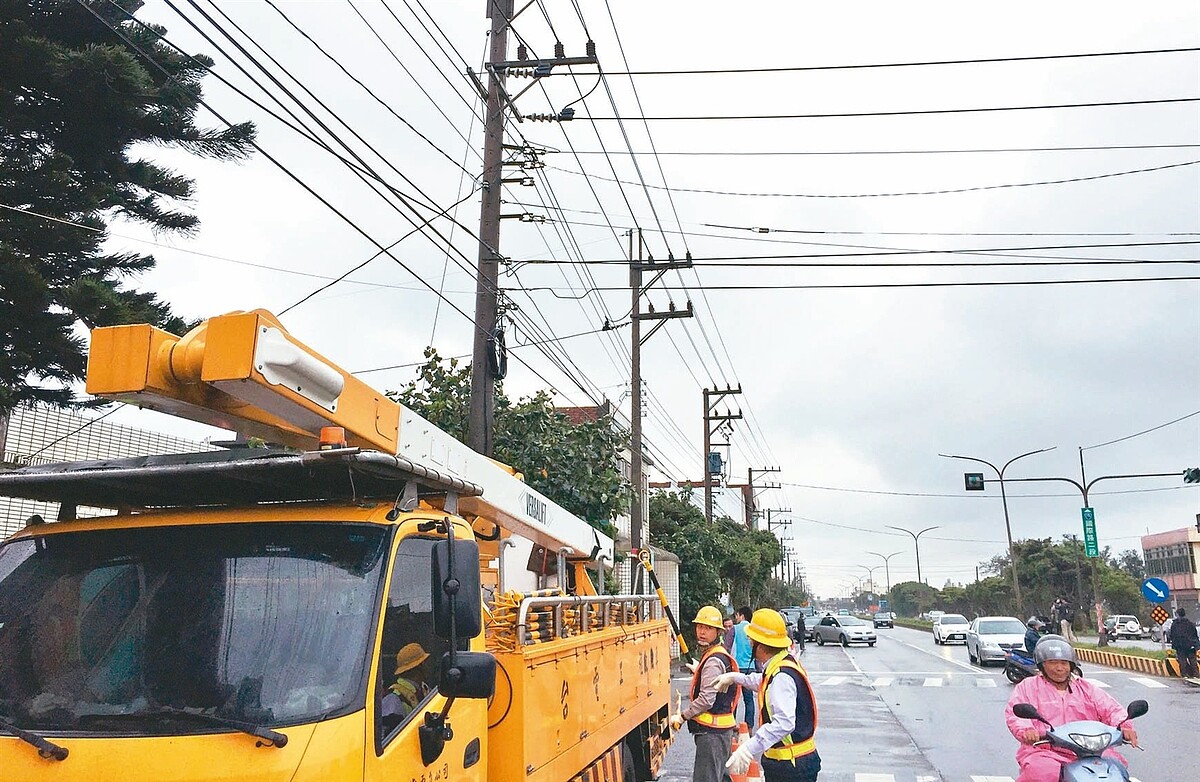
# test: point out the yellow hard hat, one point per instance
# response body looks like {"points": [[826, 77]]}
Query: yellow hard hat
{"points": [[707, 615], [769, 628], [410, 657]]}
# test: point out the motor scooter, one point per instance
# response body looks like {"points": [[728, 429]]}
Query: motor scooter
{"points": [[1087, 739], [1018, 665]]}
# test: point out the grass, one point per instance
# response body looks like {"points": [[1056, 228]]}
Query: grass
{"points": [[1127, 651]]}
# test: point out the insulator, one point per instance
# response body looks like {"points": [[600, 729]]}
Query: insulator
{"points": [[591, 48], [522, 52], [559, 51]]}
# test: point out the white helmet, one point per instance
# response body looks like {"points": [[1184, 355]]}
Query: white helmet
{"points": [[1054, 647]]}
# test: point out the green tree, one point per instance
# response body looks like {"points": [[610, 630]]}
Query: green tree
{"points": [[77, 105], [678, 526], [1131, 563], [911, 598], [576, 465]]}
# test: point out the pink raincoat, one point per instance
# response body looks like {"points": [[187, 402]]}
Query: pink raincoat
{"points": [[1083, 701]]}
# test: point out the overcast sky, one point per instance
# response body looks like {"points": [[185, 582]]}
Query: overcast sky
{"points": [[851, 392]]}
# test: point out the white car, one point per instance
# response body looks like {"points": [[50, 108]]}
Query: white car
{"points": [[949, 628], [1124, 626]]}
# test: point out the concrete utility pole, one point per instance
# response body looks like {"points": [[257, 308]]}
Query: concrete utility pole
{"points": [[637, 267], [483, 364], [487, 354], [711, 398], [750, 497]]}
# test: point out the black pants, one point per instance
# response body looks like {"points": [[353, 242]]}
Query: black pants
{"points": [[1187, 662], [805, 769]]}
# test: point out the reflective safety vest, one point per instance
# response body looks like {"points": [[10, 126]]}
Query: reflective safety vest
{"points": [[720, 715], [800, 741]]}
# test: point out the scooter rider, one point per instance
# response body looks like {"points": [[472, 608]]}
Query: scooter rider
{"points": [[1033, 633], [1060, 696]]}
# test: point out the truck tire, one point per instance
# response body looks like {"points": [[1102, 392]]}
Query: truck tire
{"points": [[628, 769]]}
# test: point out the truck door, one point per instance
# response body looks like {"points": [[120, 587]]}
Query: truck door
{"points": [[404, 684]]}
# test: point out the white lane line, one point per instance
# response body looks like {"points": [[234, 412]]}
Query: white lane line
{"points": [[985, 682], [928, 779], [882, 681], [937, 656], [874, 778], [834, 680], [928, 673], [1146, 682], [932, 682], [990, 779], [1100, 684]]}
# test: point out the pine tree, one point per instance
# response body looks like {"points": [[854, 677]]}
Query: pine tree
{"points": [[78, 106]]}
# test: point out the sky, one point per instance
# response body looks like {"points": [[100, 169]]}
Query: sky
{"points": [[857, 370]]}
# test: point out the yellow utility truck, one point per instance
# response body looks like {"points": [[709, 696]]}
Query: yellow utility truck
{"points": [[330, 607]]}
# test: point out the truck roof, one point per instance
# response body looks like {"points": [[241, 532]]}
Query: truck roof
{"points": [[237, 477]]}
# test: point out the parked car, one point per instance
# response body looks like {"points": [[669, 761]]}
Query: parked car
{"points": [[988, 637], [845, 630], [884, 619], [931, 616], [1120, 626], [843, 612], [949, 628]]}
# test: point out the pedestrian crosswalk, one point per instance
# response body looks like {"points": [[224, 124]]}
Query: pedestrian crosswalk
{"points": [[952, 680], [875, 776]]}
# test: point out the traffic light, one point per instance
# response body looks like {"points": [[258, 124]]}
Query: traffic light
{"points": [[1191, 475], [973, 481]]}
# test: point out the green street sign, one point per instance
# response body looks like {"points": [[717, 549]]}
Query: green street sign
{"points": [[1091, 546]]}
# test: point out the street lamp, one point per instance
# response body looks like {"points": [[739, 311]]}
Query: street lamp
{"points": [[1012, 554], [916, 536], [871, 570], [887, 571]]}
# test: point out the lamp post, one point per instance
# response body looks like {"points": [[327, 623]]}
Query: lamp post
{"points": [[887, 571], [1012, 554], [871, 570], [916, 536]]}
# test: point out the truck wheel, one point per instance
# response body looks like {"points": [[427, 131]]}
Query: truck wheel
{"points": [[628, 769]]}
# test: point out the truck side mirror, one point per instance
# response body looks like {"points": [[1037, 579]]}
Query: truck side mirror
{"points": [[458, 585], [467, 675]]}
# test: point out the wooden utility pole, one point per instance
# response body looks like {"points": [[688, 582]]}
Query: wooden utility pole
{"points": [[638, 266], [711, 398], [750, 498]]}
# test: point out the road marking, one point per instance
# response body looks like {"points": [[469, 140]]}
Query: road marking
{"points": [[938, 656], [1146, 682], [874, 778], [1099, 683], [985, 682], [931, 682], [882, 682], [990, 779], [834, 680]]}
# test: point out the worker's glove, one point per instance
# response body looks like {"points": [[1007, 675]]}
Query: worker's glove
{"points": [[725, 681], [676, 721], [739, 761], [691, 666]]}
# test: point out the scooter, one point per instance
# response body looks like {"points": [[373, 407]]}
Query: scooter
{"points": [[1087, 740], [1018, 665]]}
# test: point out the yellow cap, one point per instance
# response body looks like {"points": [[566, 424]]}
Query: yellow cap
{"points": [[410, 657], [708, 615], [769, 628]]}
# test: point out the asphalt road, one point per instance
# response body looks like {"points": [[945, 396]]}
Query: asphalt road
{"points": [[909, 711]]}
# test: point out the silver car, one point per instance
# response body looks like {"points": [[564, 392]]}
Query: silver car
{"points": [[990, 636], [845, 630]]}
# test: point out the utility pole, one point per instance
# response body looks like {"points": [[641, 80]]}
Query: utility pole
{"points": [[487, 354], [483, 374], [637, 267], [709, 417], [751, 512]]}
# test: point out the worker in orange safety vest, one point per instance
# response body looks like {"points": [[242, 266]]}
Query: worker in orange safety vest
{"points": [[709, 716]]}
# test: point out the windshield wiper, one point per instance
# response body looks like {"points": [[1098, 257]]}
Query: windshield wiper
{"points": [[269, 737], [46, 749]]}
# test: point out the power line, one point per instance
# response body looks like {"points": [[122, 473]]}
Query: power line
{"points": [[1144, 431], [922, 63], [880, 285], [943, 191], [961, 151], [829, 232], [909, 112], [972, 496]]}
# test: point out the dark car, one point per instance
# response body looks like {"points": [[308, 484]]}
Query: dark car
{"points": [[884, 619]]}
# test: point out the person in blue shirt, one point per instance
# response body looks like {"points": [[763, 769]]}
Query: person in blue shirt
{"points": [[743, 652], [1033, 633]]}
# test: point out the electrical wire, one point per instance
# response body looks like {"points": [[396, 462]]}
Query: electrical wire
{"points": [[813, 152], [1144, 431], [882, 285], [910, 112], [943, 191]]}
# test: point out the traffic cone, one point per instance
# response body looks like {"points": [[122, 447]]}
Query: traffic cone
{"points": [[755, 773]]}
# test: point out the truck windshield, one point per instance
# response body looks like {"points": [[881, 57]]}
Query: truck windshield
{"points": [[266, 624]]}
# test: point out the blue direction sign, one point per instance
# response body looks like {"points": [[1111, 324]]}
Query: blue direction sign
{"points": [[1091, 545], [1155, 590]]}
